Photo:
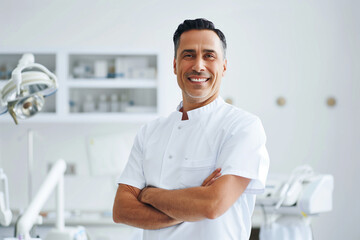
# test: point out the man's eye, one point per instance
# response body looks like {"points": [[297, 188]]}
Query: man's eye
{"points": [[188, 55], [210, 56]]}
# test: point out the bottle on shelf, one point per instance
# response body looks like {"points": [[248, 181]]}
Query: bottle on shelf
{"points": [[74, 103], [100, 69], [103, 105], [120, 67], [89, 104], [114, 104], [124, 103], [82, 70]]}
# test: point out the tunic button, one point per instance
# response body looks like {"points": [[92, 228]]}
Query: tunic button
{"points": [[170, 156], [179, 127]]}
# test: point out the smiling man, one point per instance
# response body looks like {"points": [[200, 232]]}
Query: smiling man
{"points": [[199, 66], [195, 174]]}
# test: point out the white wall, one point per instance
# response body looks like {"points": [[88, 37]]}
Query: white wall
{"points": [[305, 51]]}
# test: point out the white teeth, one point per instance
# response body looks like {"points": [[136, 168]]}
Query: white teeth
{"points": [[198, 79]]}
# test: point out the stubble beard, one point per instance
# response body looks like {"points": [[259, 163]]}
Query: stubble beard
{"points": [[193, 98]]}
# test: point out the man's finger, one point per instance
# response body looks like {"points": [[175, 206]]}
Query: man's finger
{"points": [[213, 179], [210, 182], [211, 176]]}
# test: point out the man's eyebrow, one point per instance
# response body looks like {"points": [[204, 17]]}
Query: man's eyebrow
{"points": [[194, 51], [209, 51], [188, 51]]}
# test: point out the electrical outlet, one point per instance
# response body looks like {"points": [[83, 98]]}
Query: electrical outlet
{"points": [[70, 168]]}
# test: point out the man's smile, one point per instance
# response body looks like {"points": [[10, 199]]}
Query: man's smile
{"points": [[198, 80], [198, 77]]}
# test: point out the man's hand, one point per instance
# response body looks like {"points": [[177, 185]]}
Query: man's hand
{"points": [[142, 193], [212, 177], [128, 210]]}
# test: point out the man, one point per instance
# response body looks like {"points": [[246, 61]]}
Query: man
{"points": [[194, 174]]}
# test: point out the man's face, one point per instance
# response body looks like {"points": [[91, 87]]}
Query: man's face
{"points": [[199, 65]]}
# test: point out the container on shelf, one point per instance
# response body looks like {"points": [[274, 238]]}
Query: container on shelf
{"points": [[114, 104], [103, 105], [89, 104]]}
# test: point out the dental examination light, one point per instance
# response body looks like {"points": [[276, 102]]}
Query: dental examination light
{"points": [[23, 95]]}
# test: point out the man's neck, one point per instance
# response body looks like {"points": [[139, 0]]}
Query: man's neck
{"points": [[184, 116], [188, 105]]}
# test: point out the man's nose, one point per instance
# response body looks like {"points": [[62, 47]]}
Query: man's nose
{"points": [[199, 65]]}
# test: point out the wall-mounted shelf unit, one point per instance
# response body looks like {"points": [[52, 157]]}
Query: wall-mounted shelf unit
{"points": [[95, 86]]}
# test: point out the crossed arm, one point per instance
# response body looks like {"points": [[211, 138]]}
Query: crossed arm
{"points": [[129, 210], [196, 203], [154, 208]]}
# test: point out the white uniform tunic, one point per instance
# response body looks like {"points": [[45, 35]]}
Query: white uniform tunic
{"points": [[170, 153]]}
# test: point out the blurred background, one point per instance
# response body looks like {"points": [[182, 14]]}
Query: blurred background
{"points": [[295, 64]]}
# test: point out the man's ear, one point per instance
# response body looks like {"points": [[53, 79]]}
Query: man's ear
{"points": [[174, 66], [224, 67]]}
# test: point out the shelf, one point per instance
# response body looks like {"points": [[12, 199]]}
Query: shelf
{"points": [[112, 83], [111, 117], [40, 117], [84, 118]]}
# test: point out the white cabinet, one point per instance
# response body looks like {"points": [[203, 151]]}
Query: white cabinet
{"points": [[95, 86]]}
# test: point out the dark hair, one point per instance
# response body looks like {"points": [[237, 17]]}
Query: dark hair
{"points": [[199, 24]]}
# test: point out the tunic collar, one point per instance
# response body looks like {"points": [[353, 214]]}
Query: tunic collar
{"points": [[197, 112]]}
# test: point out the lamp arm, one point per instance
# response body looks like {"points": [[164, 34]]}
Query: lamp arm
{"points": [[54, 178], [5, 213], [16, 77], [26, 60]]}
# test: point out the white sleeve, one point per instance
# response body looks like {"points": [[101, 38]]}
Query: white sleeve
{"points": [[133, 173], [244, 154]]}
